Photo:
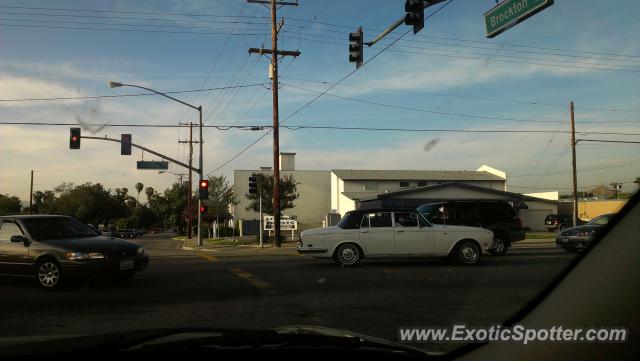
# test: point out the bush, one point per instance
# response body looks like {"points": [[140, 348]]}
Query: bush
{"points": [[228, 232]]}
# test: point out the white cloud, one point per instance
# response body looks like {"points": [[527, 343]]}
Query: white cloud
{"points": [[12, 87]]}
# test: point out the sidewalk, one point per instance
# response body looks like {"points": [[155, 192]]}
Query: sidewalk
{"points": [[287, 248]]}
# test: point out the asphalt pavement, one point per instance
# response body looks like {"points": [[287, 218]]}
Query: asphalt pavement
{"points": [[258, 291]]}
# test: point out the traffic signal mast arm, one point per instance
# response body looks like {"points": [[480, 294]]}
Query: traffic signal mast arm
{"points": [[146, 150], [402, 20]]}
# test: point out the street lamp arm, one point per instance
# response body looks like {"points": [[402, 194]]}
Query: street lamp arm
{"points": [[115, 85]]}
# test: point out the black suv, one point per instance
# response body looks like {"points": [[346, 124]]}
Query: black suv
{"points": [[560, 222], [496, 216]]}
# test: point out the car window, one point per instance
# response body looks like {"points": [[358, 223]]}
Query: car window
{"points": [[600, 221], [56, 228], [408, 219], [8, 229], [377, 220]]}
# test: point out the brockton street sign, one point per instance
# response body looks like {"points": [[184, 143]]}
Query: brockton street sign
{"points": [[511, 12]]}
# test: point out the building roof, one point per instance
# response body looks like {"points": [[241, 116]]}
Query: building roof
{"points": [[461, 185], [408, 175]]}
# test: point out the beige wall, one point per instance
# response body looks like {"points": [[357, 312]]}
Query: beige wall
{"points": [[591, 209], [312, 205]]}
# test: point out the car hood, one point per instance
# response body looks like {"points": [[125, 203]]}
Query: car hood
{"points": [[94, 244], [204, 338]]}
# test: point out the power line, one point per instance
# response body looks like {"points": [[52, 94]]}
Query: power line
{"points": [[126, 30], [570, 188], [396, 49], [257, 127], [586, 169], [128, 95], [514, 101], [126, 12], [440, 112], [315, 22]]}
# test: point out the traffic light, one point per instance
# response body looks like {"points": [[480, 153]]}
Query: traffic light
{"points": [[356, 49], [204, 208], [203, 189], [253, 185], [125, 144], [415, 14], [74, 138]]}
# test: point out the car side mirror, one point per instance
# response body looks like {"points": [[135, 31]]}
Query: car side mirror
{"points": [[20, 239]]}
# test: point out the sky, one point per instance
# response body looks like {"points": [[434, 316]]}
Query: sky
{"points": [[446, 77]]}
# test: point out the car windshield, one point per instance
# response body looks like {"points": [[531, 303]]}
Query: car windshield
{"points": [[251, 164], [50, 228]]}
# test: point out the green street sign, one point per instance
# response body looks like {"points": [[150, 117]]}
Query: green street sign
{"points": [[152, 164], [511, 12]]}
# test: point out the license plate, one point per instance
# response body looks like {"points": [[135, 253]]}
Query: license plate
{"points": [[126, 265]]}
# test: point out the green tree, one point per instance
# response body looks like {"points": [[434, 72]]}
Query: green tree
{"points": [[221, 196], [139, 187], [9, 204], [288, 194]]}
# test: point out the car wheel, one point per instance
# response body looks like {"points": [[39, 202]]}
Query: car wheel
{"points": [[499, 247], [48, 274], [348, 254], [124, 276], [467, 252]]}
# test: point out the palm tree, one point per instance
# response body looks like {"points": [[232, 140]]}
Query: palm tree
{"points": [[149, 192], [139, 187]]}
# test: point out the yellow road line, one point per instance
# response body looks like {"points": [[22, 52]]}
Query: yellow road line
{"points": [[208, 257], [253, 280]]}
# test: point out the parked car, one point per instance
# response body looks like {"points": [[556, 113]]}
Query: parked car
{"points": [[575, 238], [139, 232], [55, 248], [496, 216], [126, 233], [560, 222], [393, 233]]}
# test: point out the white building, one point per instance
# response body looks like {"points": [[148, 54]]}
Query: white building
{"points": [[322, 192]]}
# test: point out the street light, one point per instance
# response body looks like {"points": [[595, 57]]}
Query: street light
{"points": [[115, 84]]}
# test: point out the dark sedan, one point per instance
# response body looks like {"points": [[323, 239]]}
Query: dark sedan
{"points": [[54, 248], [574, 238]]}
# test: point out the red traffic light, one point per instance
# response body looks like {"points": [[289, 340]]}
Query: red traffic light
{"points": [[203, 208], [74, 138], [203, 189]]}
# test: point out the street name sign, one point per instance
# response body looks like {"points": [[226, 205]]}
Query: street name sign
{"points": [[152, 164], [511, 12]]}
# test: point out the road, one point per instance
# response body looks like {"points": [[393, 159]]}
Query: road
{"points": [[184, 289]]}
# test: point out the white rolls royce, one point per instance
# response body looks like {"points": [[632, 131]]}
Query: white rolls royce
{"points": [[378, 233]]}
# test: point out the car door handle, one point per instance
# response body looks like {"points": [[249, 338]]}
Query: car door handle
{"points": [[364, 232], [400, 231], [445, 233]]}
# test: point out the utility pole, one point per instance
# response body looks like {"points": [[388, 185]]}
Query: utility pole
{"points": [[31, 195], [260, 208], [190, 186], [573, 162], [275, 28]]}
